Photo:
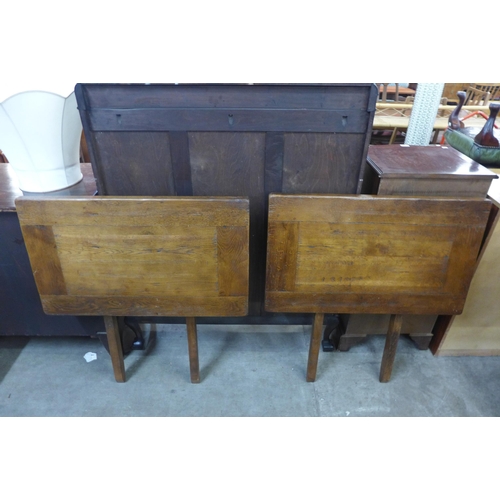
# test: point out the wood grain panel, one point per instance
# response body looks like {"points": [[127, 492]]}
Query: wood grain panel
{"points": [[275, 148], [138, 256], [405, 211], [283, 239], [368, 303], [322, 163], [148, 212], [346, 121], [370, 254], [232, 260], [179, 149], [42, 250], [133, 163], [327, 96], [171, 305]]}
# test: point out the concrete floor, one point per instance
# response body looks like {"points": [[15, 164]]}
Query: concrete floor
{"points": [[245, 371]]}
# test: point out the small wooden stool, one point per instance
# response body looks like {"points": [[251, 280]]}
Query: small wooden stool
{"points": [[134, 256], [371, 255]]}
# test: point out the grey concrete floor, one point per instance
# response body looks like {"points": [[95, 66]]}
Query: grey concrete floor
{"points": [[245, 371]]}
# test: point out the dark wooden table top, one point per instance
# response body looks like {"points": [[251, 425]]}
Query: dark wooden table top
{"points": [[397, 160], [9, 186]]}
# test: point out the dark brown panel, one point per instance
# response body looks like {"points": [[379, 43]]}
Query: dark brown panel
{"points": [[328, 96], [228, 164], [179, 149], [275, 147], [322, 163], [134, 163], [229, 119]]}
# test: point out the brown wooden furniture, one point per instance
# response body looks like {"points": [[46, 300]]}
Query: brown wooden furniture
{"points": [[371, 255], [21, 312], [229, 140], [413, 171], [139, 256]]}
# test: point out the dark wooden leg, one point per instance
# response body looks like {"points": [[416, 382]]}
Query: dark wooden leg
{"points": [[194, 366], [391, 344], [312, 361], [115, 347]]}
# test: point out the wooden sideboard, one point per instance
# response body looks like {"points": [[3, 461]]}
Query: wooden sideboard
{"points": [[21, 311]]}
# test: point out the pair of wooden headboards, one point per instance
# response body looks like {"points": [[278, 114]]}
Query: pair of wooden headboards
{"points": [[189, 256]]}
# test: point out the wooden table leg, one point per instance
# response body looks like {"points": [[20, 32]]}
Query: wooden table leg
{"points": [[391, 344], [115, 347], [194, 366], [312, 361]]}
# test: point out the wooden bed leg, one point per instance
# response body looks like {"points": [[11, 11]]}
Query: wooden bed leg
{"points": [[312, 361], [115, 347], [391, 345], [194, 366]]}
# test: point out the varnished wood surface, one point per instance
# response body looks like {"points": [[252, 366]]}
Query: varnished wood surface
{"points": [[9, 186], [135, 256], [115, 347], [192, 335], [372, 254], [314, 346], [391, 345], [432, 162]]}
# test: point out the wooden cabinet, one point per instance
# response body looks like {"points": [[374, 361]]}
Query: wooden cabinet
{"points": [[424, 170], [418, 171]]}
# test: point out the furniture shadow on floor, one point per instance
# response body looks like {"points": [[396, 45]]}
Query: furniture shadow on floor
{"points": [[10, 349]]}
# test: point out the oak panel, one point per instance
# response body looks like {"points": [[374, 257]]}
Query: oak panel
{"points": [[232, 260], [322, 163], [374, 255], [138, 256], [42, 250], [125, 152]]}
